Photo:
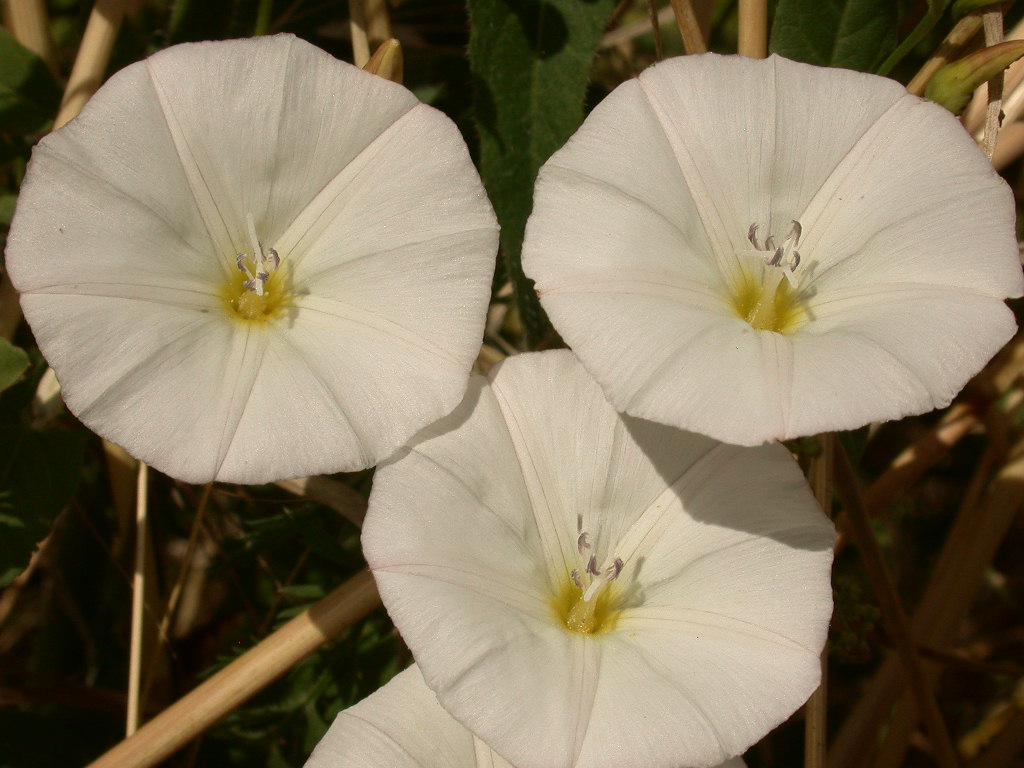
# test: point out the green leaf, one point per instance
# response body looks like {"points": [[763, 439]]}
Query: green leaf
{"points": [[39, 472], [855, 34], [13, 362], [530, 60], [29, 96], [929, 20]]}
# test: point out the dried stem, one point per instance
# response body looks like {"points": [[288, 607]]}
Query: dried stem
{"points": [[28, 22], [163, 631], [93, 58], [893, 616], [331, 493], [138, 601], [815, 711], [970, 546], [957, 38], [689, 27], [652, 15], [370, 27], [196, 711], [636, 28], [973, 118], [992, 23], [753, 23]]}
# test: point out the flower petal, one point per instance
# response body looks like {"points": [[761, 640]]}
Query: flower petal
{"points": [[891, 195], [400, 726], [403, 726], [472, 534], [140, 215]]}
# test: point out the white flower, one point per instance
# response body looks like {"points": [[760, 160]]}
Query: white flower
{"points": [[585, 589], [403, 726], [247, 260], [761, 249]]}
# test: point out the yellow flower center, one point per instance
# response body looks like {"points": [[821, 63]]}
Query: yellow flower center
{"points": [[765, 289], [257, 289], [762, 297], [587, 600], [246, 305]]}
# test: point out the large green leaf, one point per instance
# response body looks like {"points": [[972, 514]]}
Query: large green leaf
{"points": [[855, 34], [530, 61], [29, 96]]}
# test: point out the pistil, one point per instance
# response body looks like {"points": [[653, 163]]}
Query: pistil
{"points": [[760, 296], [258, 294], [588, 613]]}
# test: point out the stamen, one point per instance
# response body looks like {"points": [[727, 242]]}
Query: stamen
{"points": [[592, 566], [582, 543], [615, 569], [752, 236]]}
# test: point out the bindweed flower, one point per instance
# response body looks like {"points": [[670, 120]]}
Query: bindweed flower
{"points": [[585, 589], [403, 726], [247, 260], [761, 249]]}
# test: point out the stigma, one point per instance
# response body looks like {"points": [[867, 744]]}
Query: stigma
{"points": [[589, 612]]}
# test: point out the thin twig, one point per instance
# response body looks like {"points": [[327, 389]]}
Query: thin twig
{"points": [[164, 627], [93, 58], [970, 545], [652, 15], [636, 28], [893, 616], [338, 496], [28, 22], [198, 710], [992, 23], [957, 38], [753, 28], [138, 601], [815, 711], [973, 117], [370, 27], [689, 27]]}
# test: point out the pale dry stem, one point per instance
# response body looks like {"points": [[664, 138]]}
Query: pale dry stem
{"points": [[753, 28], [992, 23], [689, 27], [29, 24], [957, 38], [136, 649], [370, 25], [198, 710], [970, 545], [93, 58]]}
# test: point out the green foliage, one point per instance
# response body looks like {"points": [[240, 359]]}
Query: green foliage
{"points": [[530, 61], [13, 363], [854, 34], [29, 96], [39, 472]]}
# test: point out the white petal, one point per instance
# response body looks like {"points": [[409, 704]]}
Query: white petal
{"points": [[473, 530], [401, 726], [133, 215], [891, 194]]}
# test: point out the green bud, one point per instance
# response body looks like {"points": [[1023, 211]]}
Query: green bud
{"points": [[953, 85]]}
